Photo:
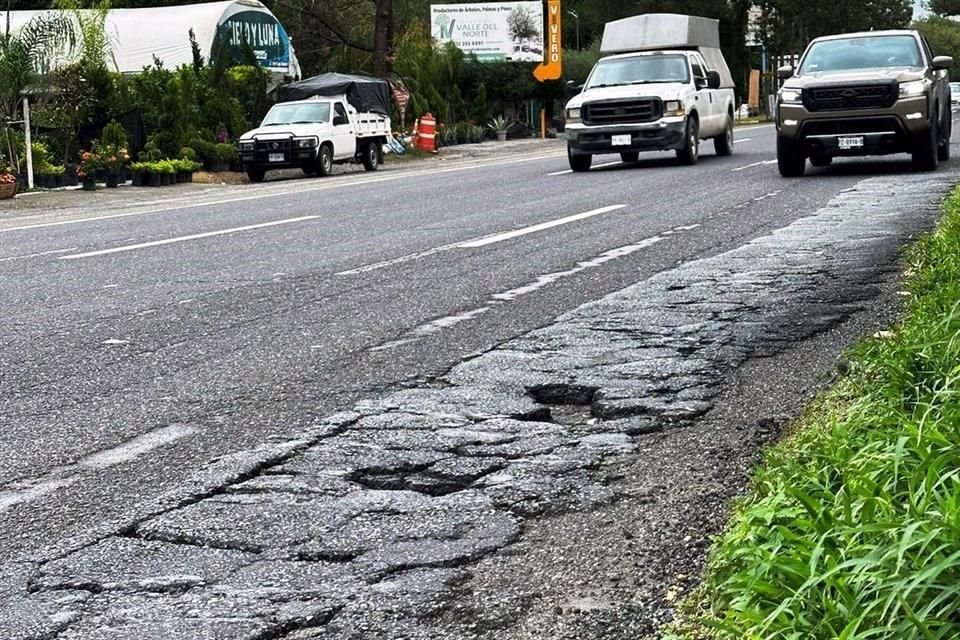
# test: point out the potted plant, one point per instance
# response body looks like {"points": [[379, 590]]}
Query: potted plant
{"points": [[115, 161], [226, 156], [90, 165], [499, 125], [8, 184], [140, 172], [167, 171]]}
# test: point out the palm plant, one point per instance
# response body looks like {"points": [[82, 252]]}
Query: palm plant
{"points": [[30, 53], [27, 56]]}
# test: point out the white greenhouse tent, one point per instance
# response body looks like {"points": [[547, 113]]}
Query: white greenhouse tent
{"points": [[137, 36]]}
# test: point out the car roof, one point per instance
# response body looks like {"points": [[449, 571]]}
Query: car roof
{"points": [[635, 54], [867, 34]]}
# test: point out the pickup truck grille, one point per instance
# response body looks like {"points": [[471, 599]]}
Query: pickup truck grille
{"points": [[622, 112], [274, 145], [874, 96]]}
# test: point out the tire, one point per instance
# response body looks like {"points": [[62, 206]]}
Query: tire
{"points": [[926, 154], [790, 158], [256, 174], [943, 152], [630, 156], [690, 153], [325, 160], [579, 162], [371, 156], [723, 144], [821, 161]]}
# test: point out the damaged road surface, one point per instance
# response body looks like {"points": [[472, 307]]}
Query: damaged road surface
{"points": [[480, 470]]}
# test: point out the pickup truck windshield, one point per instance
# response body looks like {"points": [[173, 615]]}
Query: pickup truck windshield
{"points": [[297, 114], [868, 52], [618, 72]]}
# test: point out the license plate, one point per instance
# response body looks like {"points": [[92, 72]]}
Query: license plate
{"points": [[855, 142], [276, 157], [621, 141]]}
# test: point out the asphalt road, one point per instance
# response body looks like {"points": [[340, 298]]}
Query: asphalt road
{"points": [[141, 343]]}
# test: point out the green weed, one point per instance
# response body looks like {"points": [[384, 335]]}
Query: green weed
{"points": [[852, 527]]}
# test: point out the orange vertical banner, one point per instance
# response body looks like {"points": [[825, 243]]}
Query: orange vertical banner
{"points": [[552, 66]]}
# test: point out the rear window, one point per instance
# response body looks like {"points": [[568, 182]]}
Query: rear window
{"points": [[868, 52]]}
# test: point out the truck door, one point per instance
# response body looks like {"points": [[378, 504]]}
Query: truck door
{"points": [[344, 136], [708, 106]]}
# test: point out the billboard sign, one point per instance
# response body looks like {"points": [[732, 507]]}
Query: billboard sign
{"points": [[491, 30], [266, 36]]}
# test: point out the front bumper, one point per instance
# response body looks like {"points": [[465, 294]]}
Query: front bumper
{"points": [[291, 158], [883, 131], [663, 134]]}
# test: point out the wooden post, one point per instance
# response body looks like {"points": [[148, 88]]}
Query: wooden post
{"points": [[543, 123]]}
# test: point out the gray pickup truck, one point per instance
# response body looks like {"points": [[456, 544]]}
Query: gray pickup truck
{"points": [[860, 94]]}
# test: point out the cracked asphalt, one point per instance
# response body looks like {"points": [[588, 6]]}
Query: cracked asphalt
{"points": [[429, 416]]}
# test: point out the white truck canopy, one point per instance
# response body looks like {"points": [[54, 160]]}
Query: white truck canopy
{"points": [[665, 31]]}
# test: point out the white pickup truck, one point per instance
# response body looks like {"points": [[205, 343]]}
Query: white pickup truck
{"points": [[667, 87], [313, 135]]}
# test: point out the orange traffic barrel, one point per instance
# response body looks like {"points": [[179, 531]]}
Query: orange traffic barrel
{"points": [[427, 133]]}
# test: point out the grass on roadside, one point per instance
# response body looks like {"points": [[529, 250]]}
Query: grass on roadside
{"points": [[852, 528]]}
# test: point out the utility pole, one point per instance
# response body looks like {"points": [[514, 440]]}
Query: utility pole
{"points": [[576, 17]]}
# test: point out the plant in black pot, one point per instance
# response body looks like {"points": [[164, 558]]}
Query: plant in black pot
{"points": [[90, 165]]}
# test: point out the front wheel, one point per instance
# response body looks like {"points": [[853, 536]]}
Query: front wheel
{"points": [[256, 174], [820, 160], [791, 160], [690, 153], [723, 144], [371, 156], [943, 153], [925, 155], [579, 162], [325, 161]]}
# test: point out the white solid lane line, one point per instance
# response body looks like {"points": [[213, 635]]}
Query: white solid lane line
{"points": [[197, 236], [500, 237], [480, 242], [290, 188], [596, 166], [755, 164]]}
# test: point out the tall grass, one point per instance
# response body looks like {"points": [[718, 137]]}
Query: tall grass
{"points": [[852, 530]]}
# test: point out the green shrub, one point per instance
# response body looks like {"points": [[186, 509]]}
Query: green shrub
{"points": [[227, 152], [114, 135], [188, 153]]}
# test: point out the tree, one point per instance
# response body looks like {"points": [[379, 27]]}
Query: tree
{"points": [[944, 37], [27, 55], [787, 26], [945, 7], [522, 24], [382, 36]]}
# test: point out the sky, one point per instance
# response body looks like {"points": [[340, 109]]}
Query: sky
{"points": [[918, 10]]}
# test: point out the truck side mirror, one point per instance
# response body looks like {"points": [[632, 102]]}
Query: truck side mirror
{"points": [[785, 72], [573, 88], [713, 79], [942, 62]]}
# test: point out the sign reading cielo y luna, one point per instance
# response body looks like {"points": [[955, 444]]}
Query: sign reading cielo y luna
{"points": [[265, 35], [491, 31], [552, 66]]}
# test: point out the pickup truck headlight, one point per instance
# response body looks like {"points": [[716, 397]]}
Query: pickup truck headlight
{"points": [[573, 115], [915, 88], [247, 146], [305, 143], [673, 108], [791, 96]]}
